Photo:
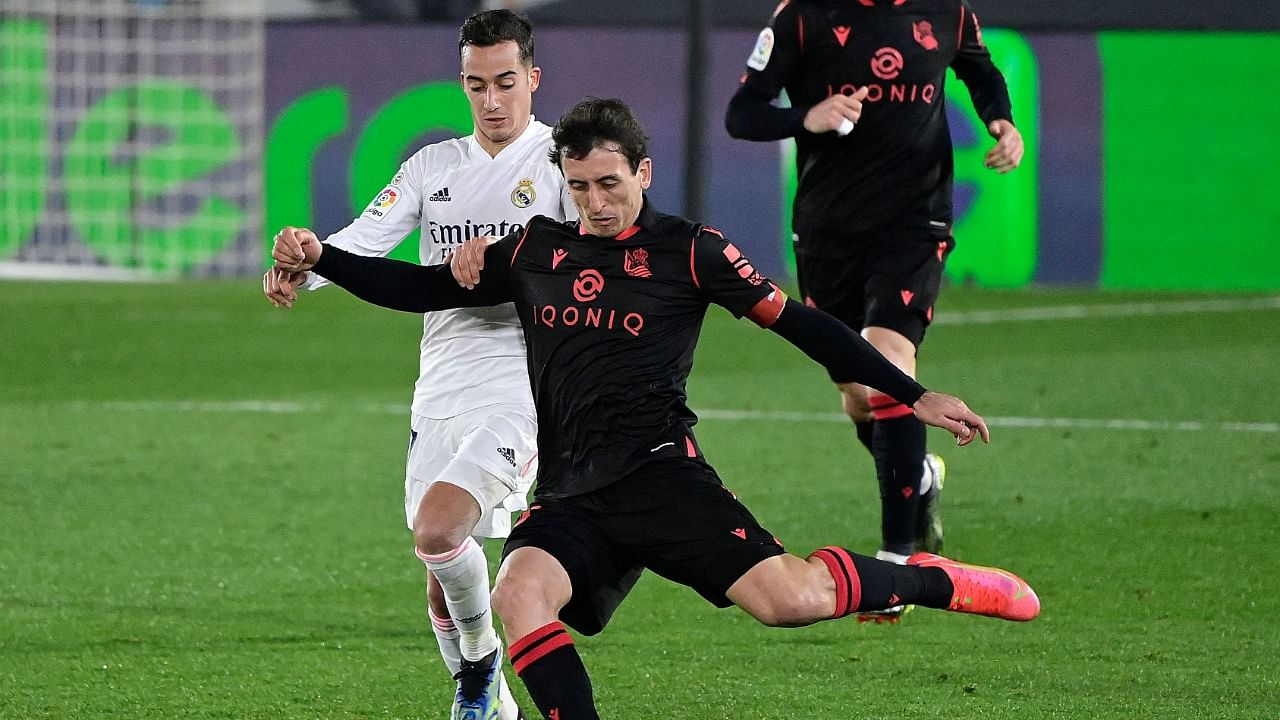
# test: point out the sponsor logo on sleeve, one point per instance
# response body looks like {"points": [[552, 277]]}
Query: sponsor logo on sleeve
{"points": [[763, 50], [382, 204]]}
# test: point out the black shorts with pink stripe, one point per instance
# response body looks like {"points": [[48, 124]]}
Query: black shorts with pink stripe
{"points": [[889, 280], [673, 517]]}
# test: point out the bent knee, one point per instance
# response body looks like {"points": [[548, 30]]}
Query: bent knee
{"points": [[856, 405], [515, 599], [431, 540]]}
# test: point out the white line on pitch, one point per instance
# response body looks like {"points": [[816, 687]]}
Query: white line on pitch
{"points": [[1081, 312], [258, 406]]}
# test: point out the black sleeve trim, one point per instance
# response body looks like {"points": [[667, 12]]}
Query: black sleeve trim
{"points": [[845, 355]]}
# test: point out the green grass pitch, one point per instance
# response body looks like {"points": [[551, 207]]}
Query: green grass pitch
{"points": [[201, 517]]}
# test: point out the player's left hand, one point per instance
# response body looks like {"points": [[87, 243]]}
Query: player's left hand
{"points": [[1007, 154], [951, 414], [468, 260], [281, 286]]}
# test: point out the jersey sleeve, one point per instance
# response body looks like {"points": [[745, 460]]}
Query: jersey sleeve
{"points": [[975, 69], [777, 52], [393, 213], [727, 278]]}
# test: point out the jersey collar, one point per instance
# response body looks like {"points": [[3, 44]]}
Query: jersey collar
{"points": [[521, 139], [644, 221]]}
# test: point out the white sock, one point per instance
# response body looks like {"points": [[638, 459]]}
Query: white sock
{"points": [[464, 576], [447, 638], [926, 479], [507, 708], [891, 557]]}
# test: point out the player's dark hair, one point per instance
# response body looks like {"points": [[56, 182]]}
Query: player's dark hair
{"points": [[594, 122], [492, 27]]}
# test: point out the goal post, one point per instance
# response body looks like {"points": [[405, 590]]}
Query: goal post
{"points": [[131, 138]]}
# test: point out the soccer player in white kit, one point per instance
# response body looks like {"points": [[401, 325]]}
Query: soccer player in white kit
{"points": [[472, 448]]}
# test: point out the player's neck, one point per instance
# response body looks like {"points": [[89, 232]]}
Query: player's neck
{"points": [[493, 148]]}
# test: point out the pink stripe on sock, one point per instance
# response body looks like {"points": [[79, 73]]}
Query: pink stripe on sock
{"points": [[446, 556], [443, 624]]}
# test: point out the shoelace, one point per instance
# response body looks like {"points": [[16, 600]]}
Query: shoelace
{"points": [[473, 678]]}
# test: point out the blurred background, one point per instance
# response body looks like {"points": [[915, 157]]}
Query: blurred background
{"points": [[201, 495], [163, 138]]}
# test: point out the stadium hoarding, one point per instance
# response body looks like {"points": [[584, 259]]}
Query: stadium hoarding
{"points": [[1124, 186]]}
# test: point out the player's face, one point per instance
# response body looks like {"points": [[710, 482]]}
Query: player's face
{"points": [[605, 190], [500, 90]]}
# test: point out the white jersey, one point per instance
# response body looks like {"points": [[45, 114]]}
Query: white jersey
{"points": [[471, 357]]}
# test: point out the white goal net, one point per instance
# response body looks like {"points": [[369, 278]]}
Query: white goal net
{"points": [[131, 136]]}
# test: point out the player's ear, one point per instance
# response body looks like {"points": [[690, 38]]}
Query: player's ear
{"points": [[645, 171], [535, 77]]}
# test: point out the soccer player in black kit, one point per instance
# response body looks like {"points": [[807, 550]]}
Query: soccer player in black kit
{"points": [[872, 214], [611, 307]]}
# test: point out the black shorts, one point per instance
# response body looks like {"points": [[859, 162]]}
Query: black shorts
{"points": [[673, 517], [891, 280]]}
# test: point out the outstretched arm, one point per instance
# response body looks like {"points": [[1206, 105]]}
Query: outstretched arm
{"points": [[381, 281], [849, 358]]}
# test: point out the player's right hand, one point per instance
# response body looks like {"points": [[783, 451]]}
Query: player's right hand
{"points": [[951, 414], [827, 115], [296, 249], [281, 286], [468, 260]]}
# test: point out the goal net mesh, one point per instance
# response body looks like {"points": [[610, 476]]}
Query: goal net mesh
{"points": [[131, 137]]}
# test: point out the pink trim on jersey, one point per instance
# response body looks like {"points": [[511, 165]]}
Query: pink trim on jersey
{"points": [[960, 32], [445, 557], [519, 245], [693, 270], [620, 236]]}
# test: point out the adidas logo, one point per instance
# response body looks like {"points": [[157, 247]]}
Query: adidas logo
{"points": [[509, 454], [441, 195]]}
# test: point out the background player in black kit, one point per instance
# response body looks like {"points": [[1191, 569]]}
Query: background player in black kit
{"points": [[611, 308], [872, 214]]}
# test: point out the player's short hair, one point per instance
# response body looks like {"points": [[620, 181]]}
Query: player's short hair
{"points": [[594, 122], [493, 27]]}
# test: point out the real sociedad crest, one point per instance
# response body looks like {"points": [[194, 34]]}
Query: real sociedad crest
{"points": [[524, 195]]}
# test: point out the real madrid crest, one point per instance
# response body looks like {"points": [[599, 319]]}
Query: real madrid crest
{"points": [[524, 195]]}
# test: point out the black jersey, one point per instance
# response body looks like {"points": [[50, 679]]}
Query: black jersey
{"points": [[894, 170], [610, 327]]}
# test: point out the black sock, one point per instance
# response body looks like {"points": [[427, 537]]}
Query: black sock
{"points": [[548, 664], [898, 447], [866, 430], [865, 583]]}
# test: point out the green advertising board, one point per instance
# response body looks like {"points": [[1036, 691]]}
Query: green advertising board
{"points": [[1191, 157]]}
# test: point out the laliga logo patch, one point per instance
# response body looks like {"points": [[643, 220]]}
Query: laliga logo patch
{"points": [[524, 195], [383, 203], [763, 50]]}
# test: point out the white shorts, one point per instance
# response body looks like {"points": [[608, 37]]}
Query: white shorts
{"points": [[490, 452]]}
